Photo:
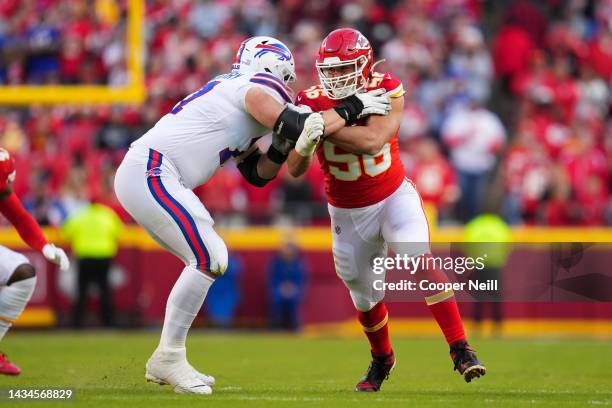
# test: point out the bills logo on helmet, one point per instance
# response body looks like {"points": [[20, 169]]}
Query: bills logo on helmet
{"points": [[278, 49]]}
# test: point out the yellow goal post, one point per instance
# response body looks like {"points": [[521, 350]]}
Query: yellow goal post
{"points": [[131, 93]]}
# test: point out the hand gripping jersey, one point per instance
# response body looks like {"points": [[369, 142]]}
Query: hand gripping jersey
{"points": [[7, 170], [211, 125], [354, 180]]}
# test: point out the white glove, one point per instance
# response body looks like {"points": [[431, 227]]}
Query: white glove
{"points": [[310, 136], [56, 255], [375, 102]]}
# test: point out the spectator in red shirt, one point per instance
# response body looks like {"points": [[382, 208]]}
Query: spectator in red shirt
{"points": [[600, 53], [557, 210], [512, 50], [527, 177], [434, 177]]}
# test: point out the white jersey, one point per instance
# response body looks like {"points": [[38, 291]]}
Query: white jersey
{"points": [[211, 125]]}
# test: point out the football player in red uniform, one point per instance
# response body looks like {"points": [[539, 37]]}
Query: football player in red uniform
{"points": [[17, 275], [371, 203]]}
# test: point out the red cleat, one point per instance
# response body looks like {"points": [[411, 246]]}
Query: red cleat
{"points": [[378, 371], [6, 367]]}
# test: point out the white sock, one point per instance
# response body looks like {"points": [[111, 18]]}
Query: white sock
{"points": [[183, 305], [13, 300]]}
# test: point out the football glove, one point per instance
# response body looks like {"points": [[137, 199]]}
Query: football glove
{"points": [[374, 103], [284, 146], [56, 255], [311, 135]]}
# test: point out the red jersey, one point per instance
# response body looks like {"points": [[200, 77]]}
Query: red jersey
{"points": [[434, 179], [357, 180]]}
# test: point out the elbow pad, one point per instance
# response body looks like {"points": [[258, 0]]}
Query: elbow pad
{"points": [[248, 169], [290, 124]]}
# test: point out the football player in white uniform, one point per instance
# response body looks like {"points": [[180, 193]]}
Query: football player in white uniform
{"points": [[185, 148]]}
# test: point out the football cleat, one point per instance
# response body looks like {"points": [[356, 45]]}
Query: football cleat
{"points": [[206, 379], [378, 371], [181, 355], [6, 367], [171, 368], [466, 362]]}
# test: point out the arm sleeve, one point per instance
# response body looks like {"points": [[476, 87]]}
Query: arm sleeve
{"points": [[26, 225]]}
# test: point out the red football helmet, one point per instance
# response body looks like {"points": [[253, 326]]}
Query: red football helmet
{"points": [[342, 49], [7, 170]]}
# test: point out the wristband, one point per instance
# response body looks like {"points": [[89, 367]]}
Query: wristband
{"points": [[349, 109]]}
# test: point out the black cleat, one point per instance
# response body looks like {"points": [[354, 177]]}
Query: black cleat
{"points": [[466, 361], [378, 371]]}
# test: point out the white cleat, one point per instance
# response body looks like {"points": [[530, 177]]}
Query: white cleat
{"points": [[167, 367], [206, 379], [180, 355]]}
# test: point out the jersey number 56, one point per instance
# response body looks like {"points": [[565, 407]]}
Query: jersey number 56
{"points": [[371, 165]]}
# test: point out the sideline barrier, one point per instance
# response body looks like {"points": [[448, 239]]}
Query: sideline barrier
{"points": [[148, 273]]}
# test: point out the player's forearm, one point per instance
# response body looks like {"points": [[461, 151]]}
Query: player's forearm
{"points": [[266, 168], [333, 121], [24, 223], [298, 164], [358, 140]]}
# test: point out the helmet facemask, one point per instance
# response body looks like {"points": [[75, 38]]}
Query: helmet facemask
{"points": [[283, 70], [345, 85]]}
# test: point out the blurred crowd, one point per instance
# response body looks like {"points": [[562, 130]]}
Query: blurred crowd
{"points": [[507, 104]]}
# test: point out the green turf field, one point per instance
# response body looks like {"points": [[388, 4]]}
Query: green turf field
{"points": [[267, 370]]}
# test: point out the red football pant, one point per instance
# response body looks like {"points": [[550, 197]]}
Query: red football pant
{"points": [[375, 324]]}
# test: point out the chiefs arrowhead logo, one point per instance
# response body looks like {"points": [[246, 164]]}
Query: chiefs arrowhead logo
{"points": [[362, 43]]}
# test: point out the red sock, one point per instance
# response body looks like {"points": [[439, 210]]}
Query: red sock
{"points": [[444, 308], [376, 327], [448, 318]]}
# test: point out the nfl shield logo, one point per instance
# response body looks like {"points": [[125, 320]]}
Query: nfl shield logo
{"points": [[337, 229]]}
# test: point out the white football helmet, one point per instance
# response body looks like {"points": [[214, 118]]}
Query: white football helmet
{"points": [[265, 54]]}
